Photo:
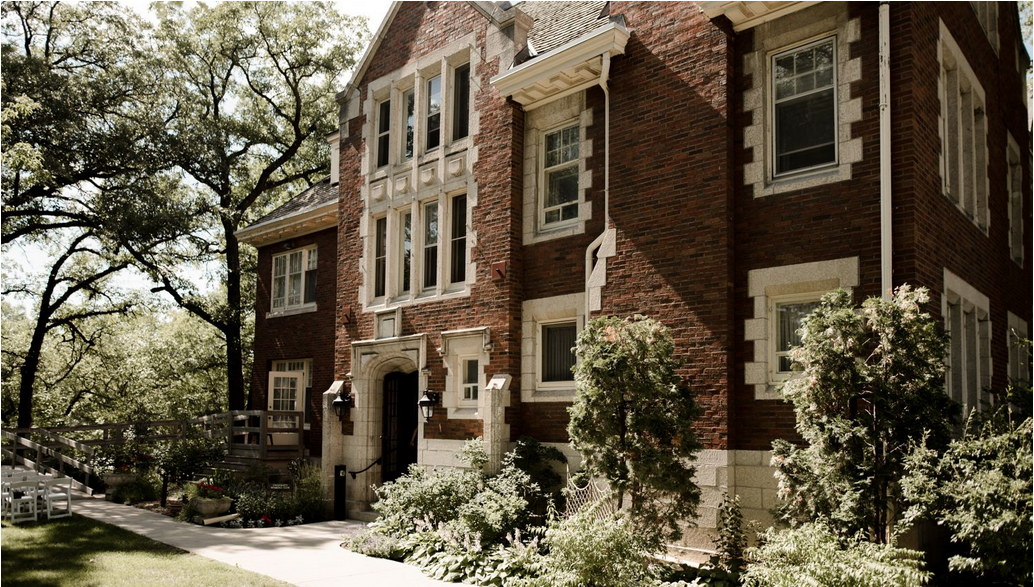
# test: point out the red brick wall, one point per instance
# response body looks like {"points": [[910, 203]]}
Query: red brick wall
{"points": [[301, 336], [670, 197]]}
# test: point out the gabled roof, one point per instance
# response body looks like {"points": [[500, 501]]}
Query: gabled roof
{"points": [[557, 23], [311, 210]]}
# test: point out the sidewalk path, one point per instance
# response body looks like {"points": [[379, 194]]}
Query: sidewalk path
{"points": [[308, 555]]}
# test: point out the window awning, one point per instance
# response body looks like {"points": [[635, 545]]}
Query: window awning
{"points": [[570, 68]]}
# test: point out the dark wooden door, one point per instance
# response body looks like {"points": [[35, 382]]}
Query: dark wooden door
{"points": [[400, 424]]}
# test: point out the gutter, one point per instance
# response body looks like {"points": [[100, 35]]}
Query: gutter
{"points": [[886, 209], [597, 243]]}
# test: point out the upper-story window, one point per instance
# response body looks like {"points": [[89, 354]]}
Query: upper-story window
{"points": [[987, 15], [560, 172], [967, 320], [294, 279], [458, 240], [963, 133], [408, 100], [461, 102], [406, 252], [1014, 179], [383, 132], [804, 104], [430, 265], [380, 257], [434, 113]]}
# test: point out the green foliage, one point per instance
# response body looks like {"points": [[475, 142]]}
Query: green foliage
{"points": [[980, 490], [813, 554], [376, 544], [869, 383], [632, 419], [591, 549], [142, 489], [307, 492], [423, 494], [731, 541], [538, 461]]}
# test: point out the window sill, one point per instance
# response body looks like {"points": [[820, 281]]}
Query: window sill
{"points": [[463, 412], [552, 394], [292, 311]]}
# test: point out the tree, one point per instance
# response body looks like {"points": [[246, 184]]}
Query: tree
{"points": [[82, 122], [980, 490], [869, 384], [632, 419], [253, 85]]}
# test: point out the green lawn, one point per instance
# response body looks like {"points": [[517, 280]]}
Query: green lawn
{"points": [[81, 552]]}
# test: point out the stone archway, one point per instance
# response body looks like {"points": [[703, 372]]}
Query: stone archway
{"points": [[372, 361]]}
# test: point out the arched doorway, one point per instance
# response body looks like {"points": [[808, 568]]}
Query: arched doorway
{"points": [[398, 436]]}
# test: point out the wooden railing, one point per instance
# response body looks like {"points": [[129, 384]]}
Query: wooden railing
{"points": [[258, 435]]}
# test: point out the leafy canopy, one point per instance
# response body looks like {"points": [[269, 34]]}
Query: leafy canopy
{"points": [[632, 419]]}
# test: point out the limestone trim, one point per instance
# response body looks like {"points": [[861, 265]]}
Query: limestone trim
{"points": [[800, 282], [457, 346], [556, 115], [535, 314], [967, 319], [1019, 353], [781, 35]]}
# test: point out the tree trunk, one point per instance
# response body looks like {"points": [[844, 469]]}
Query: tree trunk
{"points": [[234, 360], [29, 369]]}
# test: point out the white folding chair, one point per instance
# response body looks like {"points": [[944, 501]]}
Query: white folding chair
{"points": [[57, 494], [21, 502]]}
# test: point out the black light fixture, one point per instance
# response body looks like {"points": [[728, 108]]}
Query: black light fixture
{"points": [[427, 403], [341, 404]]}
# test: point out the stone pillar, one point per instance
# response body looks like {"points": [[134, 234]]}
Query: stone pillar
{"points": [[333, 446], [496, 433]]}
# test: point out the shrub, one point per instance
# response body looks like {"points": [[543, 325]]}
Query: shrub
{"points": [[376, 544], [423, 495], [632, 419], [595, 550], [142, 489], [537, 460], [812, 554], [308, 491], [731, 541], [980, 490], [871, 383]]}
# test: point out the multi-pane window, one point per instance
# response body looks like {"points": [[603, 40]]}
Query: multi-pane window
{"points": [[970, 355], [458, 240], [380, 255], [430, 265], [804, 104], [383, 132], [964, 134], [560, 176], [558, 357], [1019, 349], [470, 379], [405, 251], [408, 101], [434, 113], [294, 279], [789, 318], [1014, 177], [305, 366], [987, 15], [461, 102]]}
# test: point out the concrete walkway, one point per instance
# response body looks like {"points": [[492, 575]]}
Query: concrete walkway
{"points": [[308, 555]]}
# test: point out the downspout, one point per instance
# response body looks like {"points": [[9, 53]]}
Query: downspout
{"points": [[598, 241], [886, 210]]}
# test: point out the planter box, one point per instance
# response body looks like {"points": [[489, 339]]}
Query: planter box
{"points": [[113, 480], [206, 507]]}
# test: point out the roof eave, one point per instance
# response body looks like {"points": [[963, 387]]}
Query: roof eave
{"points": [[300, 223], [608, 39], [746, 15]]}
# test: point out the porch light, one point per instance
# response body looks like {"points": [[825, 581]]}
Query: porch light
{"points": [[341, 404], [427, 403]]}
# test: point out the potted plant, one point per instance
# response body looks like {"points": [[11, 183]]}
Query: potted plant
{"points": [[209, 500]]}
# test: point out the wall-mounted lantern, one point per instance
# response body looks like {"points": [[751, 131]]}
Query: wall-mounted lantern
{"points": [[342, 403], [427, 403]]}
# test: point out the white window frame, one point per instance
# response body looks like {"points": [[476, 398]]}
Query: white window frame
{"points": [[540, 351], [469, 391], [283, 421], [958, 293], [379, 134], [459, 346], [535, 314], [306, 253], [964, 132], [772, 102], [1019, 356], [374, 256], [775, 375], [436, 246], [292, 365], [405, 286], [1014, 187], [426, 112], [544, 172]]}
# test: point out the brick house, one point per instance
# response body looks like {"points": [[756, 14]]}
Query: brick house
{"points": [[505, 171]]}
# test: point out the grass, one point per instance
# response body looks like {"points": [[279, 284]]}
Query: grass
{"points": [[81, 552]]}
